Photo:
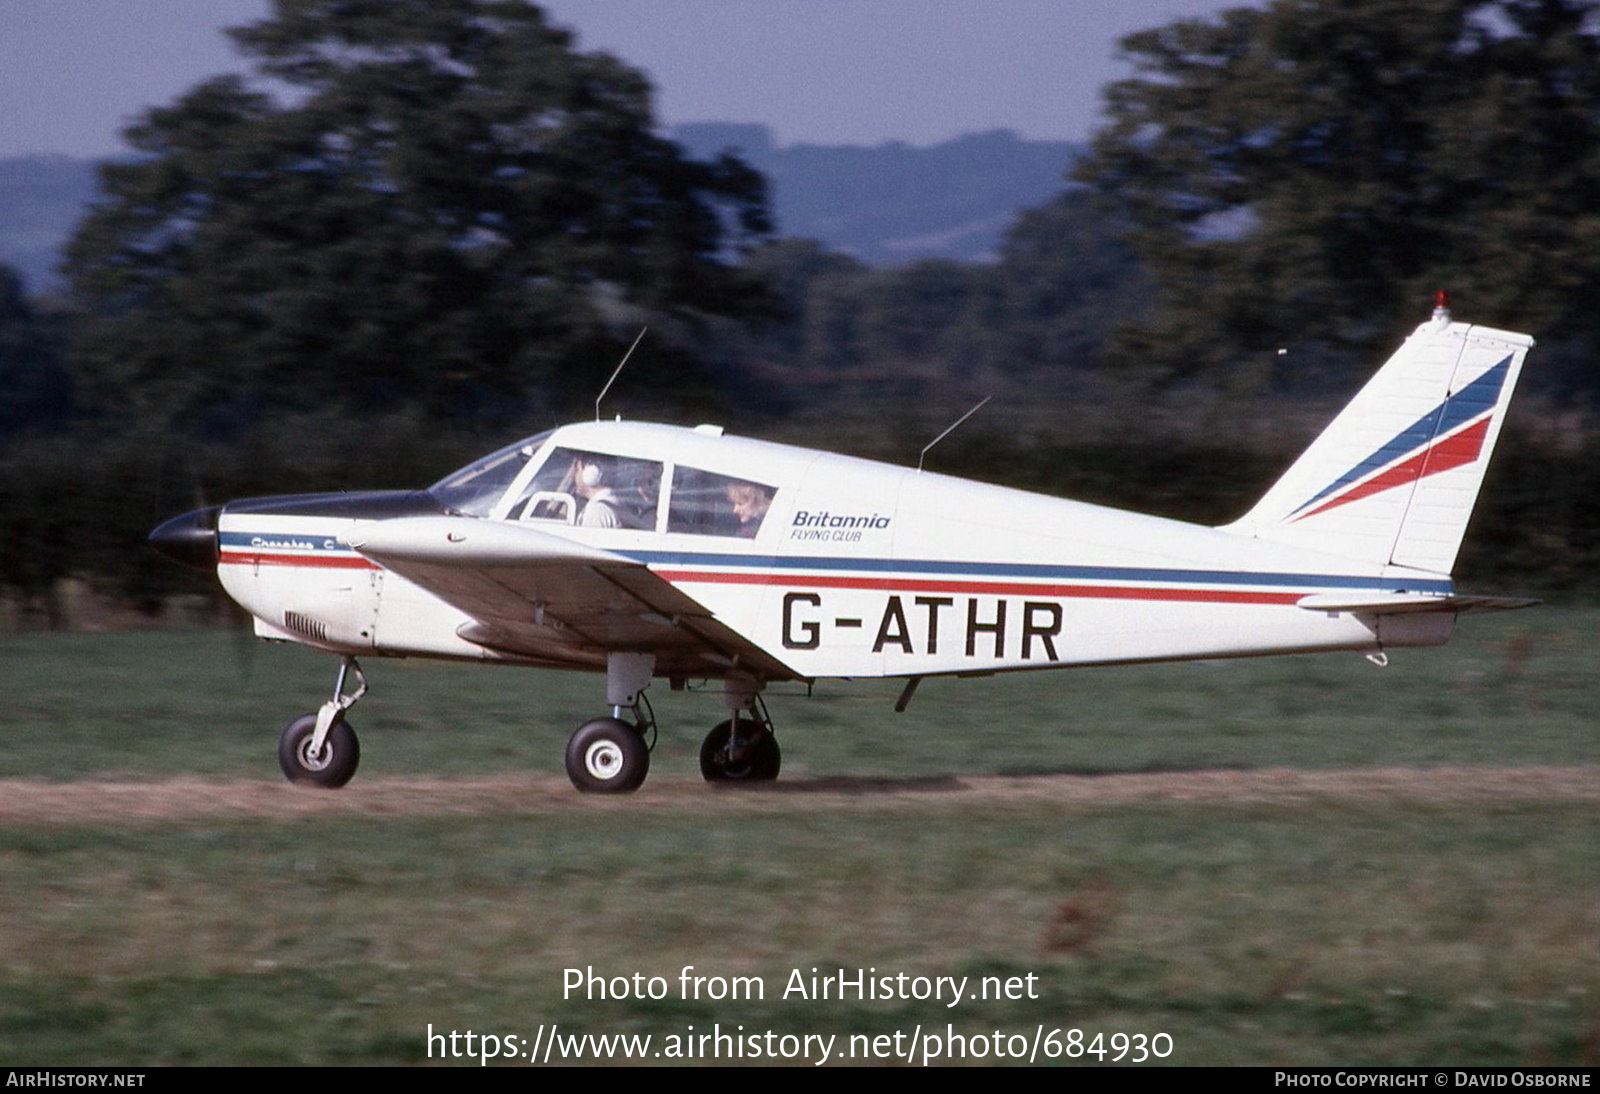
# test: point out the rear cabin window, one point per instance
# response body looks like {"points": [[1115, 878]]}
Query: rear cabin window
{"points": [[708, 504]]}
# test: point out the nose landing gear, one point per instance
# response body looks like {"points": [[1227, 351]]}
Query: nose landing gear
{"points": [[321, 749]]}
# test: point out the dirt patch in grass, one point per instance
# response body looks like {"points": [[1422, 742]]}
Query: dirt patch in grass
{"points": [[92, 801]]}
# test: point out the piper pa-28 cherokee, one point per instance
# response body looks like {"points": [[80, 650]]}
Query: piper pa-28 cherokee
{"points": [[645, 551]]}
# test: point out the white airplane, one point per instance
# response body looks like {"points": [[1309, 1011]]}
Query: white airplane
{"points": [[649, 551]]}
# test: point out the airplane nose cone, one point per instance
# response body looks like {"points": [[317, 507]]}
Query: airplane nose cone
{"points": [[190, 539]]}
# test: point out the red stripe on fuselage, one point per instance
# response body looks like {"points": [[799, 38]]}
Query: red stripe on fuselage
{"points": [[935, 585], [309, 562]]}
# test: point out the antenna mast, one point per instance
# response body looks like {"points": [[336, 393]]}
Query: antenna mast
{"points": [[950, 429], [617, 371]]}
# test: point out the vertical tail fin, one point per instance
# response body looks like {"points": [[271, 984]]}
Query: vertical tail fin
{"points": [[1393, 480]]}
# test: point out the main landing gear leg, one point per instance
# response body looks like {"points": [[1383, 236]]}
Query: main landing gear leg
{"points": [[745, 747], [321, 749], [612, 755]]}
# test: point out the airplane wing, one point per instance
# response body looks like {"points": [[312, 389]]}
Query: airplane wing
{"points": [[549, 599]]}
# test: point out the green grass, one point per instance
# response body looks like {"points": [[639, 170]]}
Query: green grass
{"points": [[1386, 934], [1342, 929]]}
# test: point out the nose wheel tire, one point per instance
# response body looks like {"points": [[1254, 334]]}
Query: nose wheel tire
{"points": [[607, 756], [330, 767], [754, 757]]}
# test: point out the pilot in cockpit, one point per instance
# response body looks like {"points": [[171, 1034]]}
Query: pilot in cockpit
{"points": [[592, 477]]}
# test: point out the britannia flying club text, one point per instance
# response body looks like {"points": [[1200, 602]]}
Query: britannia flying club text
{"points": [[834, 527], [916, 625]]}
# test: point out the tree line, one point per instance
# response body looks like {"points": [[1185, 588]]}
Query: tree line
{"points": [[417, 230]]}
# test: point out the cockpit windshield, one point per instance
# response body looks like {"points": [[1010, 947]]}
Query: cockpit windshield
{"points": [[473, 490]]}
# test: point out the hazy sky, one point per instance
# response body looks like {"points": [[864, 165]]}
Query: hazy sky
{"points": [[74, 72]]}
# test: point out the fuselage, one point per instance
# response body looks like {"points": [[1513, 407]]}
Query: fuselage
{"points": [[836, 566]]}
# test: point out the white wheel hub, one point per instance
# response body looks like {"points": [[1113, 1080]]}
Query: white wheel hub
{"points": [[603, 759], [315, 761]]}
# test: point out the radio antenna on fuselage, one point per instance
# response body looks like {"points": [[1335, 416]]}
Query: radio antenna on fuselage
{"points": [[951, 428], [617, 371]]}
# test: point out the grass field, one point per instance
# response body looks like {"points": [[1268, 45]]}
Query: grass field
{"points": [[1426, 890]]}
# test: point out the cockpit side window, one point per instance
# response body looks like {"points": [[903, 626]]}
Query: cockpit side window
{"points": [[708, 504], [592, 490], [473, 490]]}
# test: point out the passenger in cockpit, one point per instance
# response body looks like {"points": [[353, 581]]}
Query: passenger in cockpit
{"points": [[750, 503]]}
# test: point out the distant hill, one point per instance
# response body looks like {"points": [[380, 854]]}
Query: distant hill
{"points": [[895, 203], [41, 199], [886, 205]]}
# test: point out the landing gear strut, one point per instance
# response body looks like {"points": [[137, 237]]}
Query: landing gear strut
{"points": [[744, 748], [607, 756], [612, 755], [321, 749]]}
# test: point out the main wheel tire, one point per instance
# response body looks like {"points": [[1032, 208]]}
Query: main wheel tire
{"points": [[607, 756], [757, 758], [330, 768]]}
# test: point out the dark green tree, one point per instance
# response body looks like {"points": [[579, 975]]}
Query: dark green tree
{"points": [[37, 392], [1065, 279], [1309, 171], [434, 204]]}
